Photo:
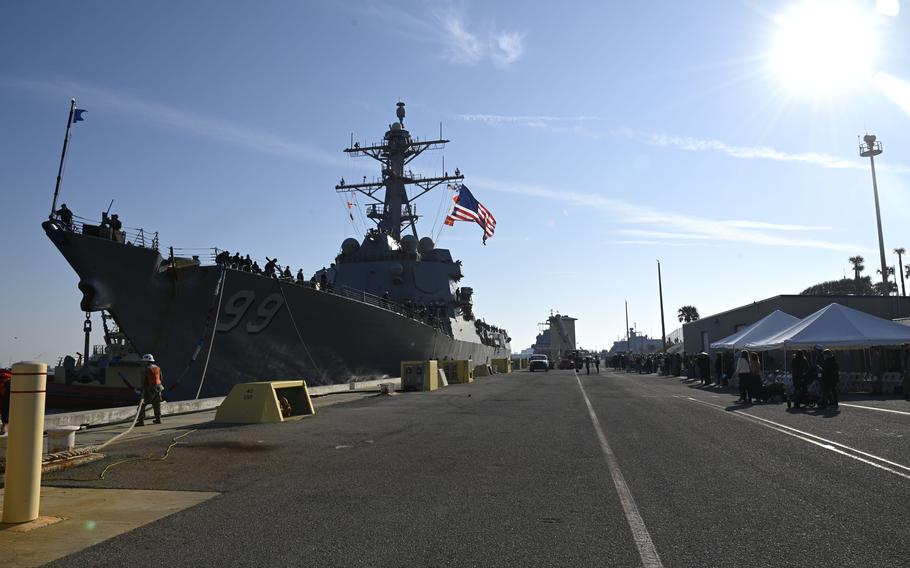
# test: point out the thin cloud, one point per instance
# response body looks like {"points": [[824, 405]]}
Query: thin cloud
{"points": [[749, 237], [501, 47], [462, 46], [655, 225], [508, 47], [746, 152], [658, 243], [525, 120], [104, 100], [757, 152], [895, 89], [447, 29]]}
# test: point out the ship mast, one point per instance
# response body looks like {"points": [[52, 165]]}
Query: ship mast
{"points": [[394, 210]]}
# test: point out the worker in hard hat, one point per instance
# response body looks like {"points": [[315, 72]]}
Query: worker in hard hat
{"points": [[152, 389]]}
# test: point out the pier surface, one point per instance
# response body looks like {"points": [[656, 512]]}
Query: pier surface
{"points": [[526, 469]]}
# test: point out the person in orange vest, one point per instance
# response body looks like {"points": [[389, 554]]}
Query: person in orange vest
{"points": [[151, 390]]}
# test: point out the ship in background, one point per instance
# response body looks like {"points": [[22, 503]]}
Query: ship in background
{"points": [[556, 340], [389, 297]]}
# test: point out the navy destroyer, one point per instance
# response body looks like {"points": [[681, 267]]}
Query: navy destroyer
{"points": [[389, 297]]}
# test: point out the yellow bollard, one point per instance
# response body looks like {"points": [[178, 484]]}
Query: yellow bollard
{"points": [[24, 446]]}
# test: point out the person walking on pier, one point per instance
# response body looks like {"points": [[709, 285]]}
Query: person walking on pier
{"points": [[830, 378], [743, 372], [905, 368], [587, 365], [152, 390]]}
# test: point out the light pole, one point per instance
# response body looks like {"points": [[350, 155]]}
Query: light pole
{"points": [[663, 329], [900, 252], [628, 345], [869, 149]]}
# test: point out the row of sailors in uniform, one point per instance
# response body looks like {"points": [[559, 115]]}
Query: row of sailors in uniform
{"points": [[272, 269]]}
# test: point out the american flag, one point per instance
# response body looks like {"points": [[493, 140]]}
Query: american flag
{"points": [[467, 208]]}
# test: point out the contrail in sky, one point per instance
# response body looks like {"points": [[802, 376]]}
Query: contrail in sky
{"points": [[656, 225], [178, 119]]}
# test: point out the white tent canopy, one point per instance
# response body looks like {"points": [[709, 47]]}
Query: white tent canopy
{"points": [[836, 327], [771, 324]]}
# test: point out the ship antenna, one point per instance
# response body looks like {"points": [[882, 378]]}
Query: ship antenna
{"points": [[66, 139], [391, 207]]}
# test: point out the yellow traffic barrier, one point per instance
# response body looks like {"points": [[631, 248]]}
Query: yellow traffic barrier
{"points": [[483, 370], [419, 375], [502, 365], [22, 493], [266, 401], [458, 370]]}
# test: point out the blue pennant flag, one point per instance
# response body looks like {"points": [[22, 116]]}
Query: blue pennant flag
{"points": [[77, 115]]}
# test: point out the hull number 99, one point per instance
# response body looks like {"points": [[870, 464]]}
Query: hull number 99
{"points": [[236, 307]]}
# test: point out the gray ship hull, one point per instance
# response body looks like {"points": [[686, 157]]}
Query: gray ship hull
{"points": [[210, 328]]}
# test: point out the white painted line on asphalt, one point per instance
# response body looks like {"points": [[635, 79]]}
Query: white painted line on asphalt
{"points": [[830, 445], [874, 408], [646, 549]]}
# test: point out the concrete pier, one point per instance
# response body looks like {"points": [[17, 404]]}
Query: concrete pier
{"points": [[522, 469]]}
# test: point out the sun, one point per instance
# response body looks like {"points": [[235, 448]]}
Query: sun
{"points": [[822, 48]]}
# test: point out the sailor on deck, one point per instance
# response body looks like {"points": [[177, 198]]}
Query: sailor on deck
{"points": [[65, 215]]}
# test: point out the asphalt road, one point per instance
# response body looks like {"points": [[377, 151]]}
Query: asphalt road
{"points": [[518, 470]]}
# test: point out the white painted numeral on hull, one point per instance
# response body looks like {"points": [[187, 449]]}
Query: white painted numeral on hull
{"points": [[236, 307]]}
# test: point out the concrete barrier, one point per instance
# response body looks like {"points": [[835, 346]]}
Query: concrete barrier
{"points": [[458, 371], [483, 370], [419, 375], [502, 365], [266, 401]]}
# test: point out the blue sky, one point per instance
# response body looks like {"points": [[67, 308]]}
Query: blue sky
{"points": [[603, 136]]}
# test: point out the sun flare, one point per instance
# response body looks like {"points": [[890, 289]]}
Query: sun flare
{"points": [[823, 48]]}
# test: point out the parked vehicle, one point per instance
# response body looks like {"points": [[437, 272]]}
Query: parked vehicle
{"points": [[538, 362]]}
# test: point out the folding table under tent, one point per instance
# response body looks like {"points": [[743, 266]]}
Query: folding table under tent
{"points": [[770, 325], [836, 327]]}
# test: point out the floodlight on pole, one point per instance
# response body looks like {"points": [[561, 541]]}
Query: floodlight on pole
{"points": [[869, 149]]}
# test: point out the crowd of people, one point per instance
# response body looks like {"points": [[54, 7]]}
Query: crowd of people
{"points": [[271, 269], [815, 374]]}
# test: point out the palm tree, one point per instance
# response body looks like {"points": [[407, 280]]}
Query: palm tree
{"points": [[857, 262], [900, 252], [687, 314], [892, 286]]}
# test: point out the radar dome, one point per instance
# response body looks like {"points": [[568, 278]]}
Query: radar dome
{"points": [[350, 246], [409, 243], [425, 246]]}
